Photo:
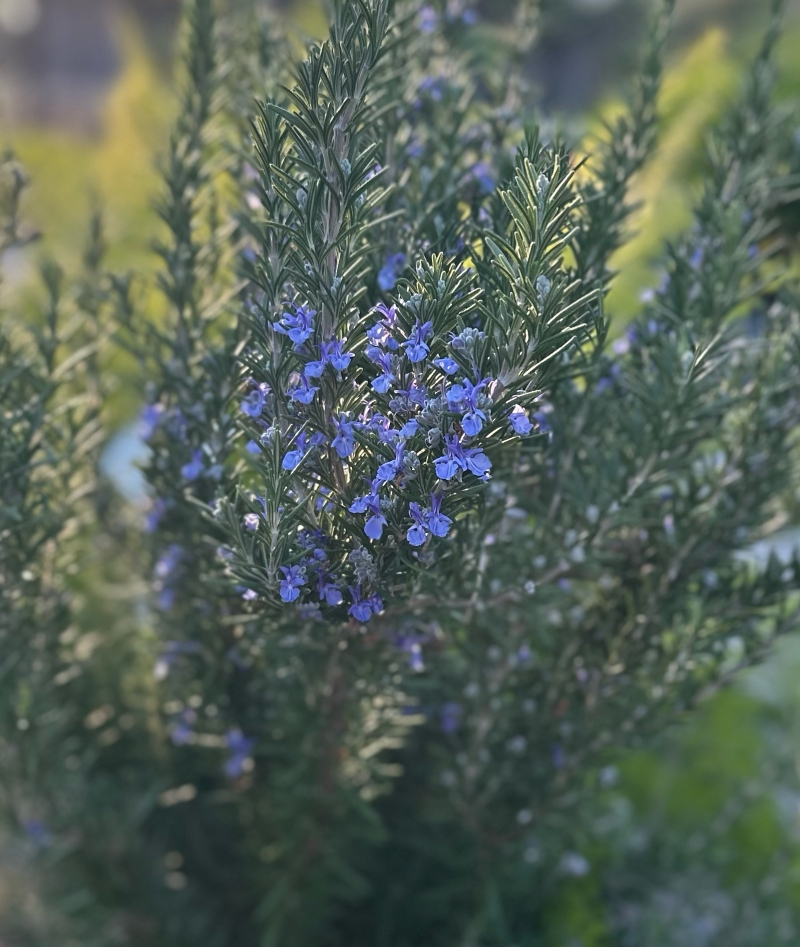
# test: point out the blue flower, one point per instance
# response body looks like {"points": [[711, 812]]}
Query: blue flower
{"points": [[409, 429], [416, 394], [249, 595], [183, 731], [464, 398], [412, 645], [416, 347], [383, 360], [457, 457], [194, 468], [427, 19], [297, 325], [363, 610], [168, 561], [431, 520], [294, 457], [239, 749], [483, 175], [382, 426], [38, 833], [448, 365], [381, 333], [314, 369], [149, 420], [519, 421], [251, 521], [155, 515], [329, 591], [437, 522], [387, 277], [344, 443], [333, 354], [393, 468], [302, 391], [370, 504], [417, 534], [542, 421], [253, 403], [450, 716], [294, 577]]}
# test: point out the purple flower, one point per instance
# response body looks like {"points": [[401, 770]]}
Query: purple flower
{"points": [[387, 277], [194, 468], [297, 325], [249, 595], [393, 468], [448, 365], [457, 457], [149, 420], [253, 403], [416, 347], [294, 577], [417, 534], [239, 749], [302, 391], [251, 521], [519, 421], [344, 443], [370, 504]]}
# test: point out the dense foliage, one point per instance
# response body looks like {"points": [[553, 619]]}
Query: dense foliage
{"points": [[429, 544]]}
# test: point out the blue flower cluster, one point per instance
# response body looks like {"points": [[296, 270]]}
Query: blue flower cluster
{"points": [[393, 405]]}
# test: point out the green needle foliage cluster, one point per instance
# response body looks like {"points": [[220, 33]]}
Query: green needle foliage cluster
{"points": [[427, 546]]}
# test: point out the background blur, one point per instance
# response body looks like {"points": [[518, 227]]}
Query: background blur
{"points": [[712, 815]]}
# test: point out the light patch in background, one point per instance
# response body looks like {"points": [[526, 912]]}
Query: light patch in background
{"points": [[121, 461], [595, 6], [19, 16]]}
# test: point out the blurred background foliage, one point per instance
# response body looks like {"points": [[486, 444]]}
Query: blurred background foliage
{"points": [[688, 841]]}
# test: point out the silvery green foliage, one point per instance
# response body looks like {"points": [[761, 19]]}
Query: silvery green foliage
{"points": [[428, 539]]}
